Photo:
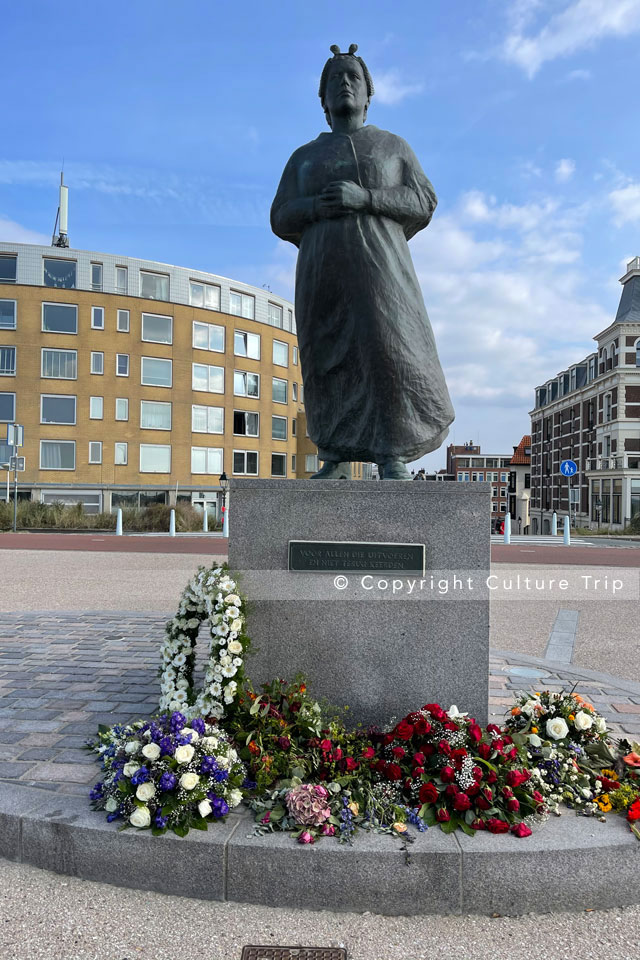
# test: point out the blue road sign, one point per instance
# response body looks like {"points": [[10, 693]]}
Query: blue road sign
{"points": [[568, 468]]}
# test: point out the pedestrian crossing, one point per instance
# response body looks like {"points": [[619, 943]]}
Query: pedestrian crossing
{"points": [[538, 540]]}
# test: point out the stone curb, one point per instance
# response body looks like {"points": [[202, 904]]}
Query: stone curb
{"points": [[580, 673], [570, 863]]}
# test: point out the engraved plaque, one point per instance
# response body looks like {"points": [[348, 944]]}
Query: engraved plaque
{"points": [[328, 556]]}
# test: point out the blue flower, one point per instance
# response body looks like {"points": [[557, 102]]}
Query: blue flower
{"points": [[219, 806], [249, 784], [160, 821], [208, 765], [417, 821], [140, 776], [167, 781], [198, 726], [166, 747], [177, 722], [97, 792], [221, 776], [113, 816]]}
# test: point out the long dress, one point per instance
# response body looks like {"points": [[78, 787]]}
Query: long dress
{"points": [[374, 387]]}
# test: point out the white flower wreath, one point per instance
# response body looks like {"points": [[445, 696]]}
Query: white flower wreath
{"points": [[211, 595]]}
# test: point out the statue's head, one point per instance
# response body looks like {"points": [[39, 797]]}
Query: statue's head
{"points": [[345, 85]]}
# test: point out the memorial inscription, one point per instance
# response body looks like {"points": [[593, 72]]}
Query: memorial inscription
{"points": [[326, 556]]}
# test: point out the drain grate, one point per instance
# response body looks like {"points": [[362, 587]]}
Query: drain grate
{"points": [[293, 953]]}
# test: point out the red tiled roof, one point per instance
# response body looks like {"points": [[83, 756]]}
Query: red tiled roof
{"points": [[519, 456]]}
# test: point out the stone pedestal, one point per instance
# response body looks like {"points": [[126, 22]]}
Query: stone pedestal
{"points": [[383, 644]]}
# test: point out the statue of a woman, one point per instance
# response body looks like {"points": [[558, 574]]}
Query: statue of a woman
{"points": [[350, 200]]}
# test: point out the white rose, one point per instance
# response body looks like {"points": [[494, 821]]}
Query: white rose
{"points": [[601, 725], [111, 805], [141, 817], [528, 708], [557, 728], [234, 798], [586, 793], [132, 746], [583, 721], [151, 751], [236, 626], [210, 743], [204, 808], [535, 740], [232, 599], [130, 768], [145, 791], [234, 647], [188, 730], [223, 763], [189, 780], [184, 753]]}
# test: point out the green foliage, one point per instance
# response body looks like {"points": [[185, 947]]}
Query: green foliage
{"points": [[59, 516]]}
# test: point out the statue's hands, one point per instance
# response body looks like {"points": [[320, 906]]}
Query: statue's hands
{"points": [[340, 197]]}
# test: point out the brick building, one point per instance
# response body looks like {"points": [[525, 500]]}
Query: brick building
{"points": [[520, 486], [590, 413], [467, 463]]}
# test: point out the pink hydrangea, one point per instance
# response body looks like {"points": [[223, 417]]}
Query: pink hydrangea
{"points": [[308, 805]]}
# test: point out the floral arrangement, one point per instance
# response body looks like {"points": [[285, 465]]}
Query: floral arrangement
{"points": [[457, 774], [166, 775], [209, 595]]}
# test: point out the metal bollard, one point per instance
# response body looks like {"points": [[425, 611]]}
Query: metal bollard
{"points": [[566, 532], [554, 524], [205, 521], [172, 523], [119, 522], [507, 528]]}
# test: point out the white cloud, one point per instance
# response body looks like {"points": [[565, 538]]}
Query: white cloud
{"points": [[579, 25], [390, 89], [12, 232], [565, 169], [626, 203]]}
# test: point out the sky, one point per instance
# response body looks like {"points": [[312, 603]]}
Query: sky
{"points": [[174, 122]]}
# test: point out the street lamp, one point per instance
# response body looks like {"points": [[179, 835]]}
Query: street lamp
{"points": [[598, 505], [224, 483]]}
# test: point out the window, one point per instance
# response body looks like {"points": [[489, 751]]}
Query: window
{"points": [[293, 463], [60, 273], [245, 424], [122, 280], [294, 427], [311, 463], [123, 321], [246, 384], [59, 318], [57, 409], [97, 318], [122, 364], [278, 464], [207, 419], [637, 353], [122, 408], [155, 415], [279, 390], [245, 461], [7, 361], [503, 478], [242, 305], [8, 269], [59, 364], [206, 378], [155, 372], [121, 454], [57, 455], [294, 392], [154, 286], [301, 393], [208, 336], [279, 428], [7, 407], [295, 356], [155, 458], [206, 460], [96, 277], [204, 295], [95, 451], [289, 324], [592, 368], [97, 363], [246, 345], [156, 328], [96, 408], [280, 353], [275, 315], [7, 314]]}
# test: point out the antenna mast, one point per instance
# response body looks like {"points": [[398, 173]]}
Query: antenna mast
{"points": [[62, 216]]}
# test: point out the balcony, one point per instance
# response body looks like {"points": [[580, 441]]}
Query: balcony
{"points": [[625, 461]]}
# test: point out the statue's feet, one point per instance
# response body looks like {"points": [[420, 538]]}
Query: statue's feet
{"points": [[331, 470], [393, 470]]}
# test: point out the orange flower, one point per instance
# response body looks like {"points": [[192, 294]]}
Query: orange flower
{"points": [[253, 747], [632, 759], [572, 717], [534, 729], [303, 688], [515, 711]]}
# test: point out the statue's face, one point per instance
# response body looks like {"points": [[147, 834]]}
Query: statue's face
{"points": [[346, 90]]}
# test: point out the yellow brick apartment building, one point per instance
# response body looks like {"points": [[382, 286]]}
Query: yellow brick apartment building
{"points": [[140, 382]]}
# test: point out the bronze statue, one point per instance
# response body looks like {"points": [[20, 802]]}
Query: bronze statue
{"points": [[350, 200]]}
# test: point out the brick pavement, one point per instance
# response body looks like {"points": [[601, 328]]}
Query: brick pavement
{"points": [[61, 674]]}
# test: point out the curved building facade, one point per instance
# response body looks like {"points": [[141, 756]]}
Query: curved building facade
{"points": [[142, 382]]}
